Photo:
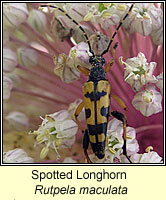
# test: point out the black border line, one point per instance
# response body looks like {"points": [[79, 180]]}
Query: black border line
{"points": [[82, 164]]}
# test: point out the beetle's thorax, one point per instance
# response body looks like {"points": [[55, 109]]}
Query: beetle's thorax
{"points": [[97, 72]]}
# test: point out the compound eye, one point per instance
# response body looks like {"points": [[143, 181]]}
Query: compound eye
{"points": [[103, 61], [91, 59]]}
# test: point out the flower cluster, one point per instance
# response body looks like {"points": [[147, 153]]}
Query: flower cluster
{"points": [[57, 129], [138, 72], [145, 18], [42, 52]]}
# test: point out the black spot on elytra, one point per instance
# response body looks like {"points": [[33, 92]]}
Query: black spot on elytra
{"points": [[95, 96], [105, 112], [87, 113]]}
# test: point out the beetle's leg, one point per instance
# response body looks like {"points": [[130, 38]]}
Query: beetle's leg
{"points": [[121, 103], [86, 136], [84, 70], [85, 145], [122, 118], [77, 112], [111, 62], [109, 65]]}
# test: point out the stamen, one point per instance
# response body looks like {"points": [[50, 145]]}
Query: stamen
{"points": [[44, 152], [106, 15], [121, 60], [112, 150], [148, 149], [88, 17], [129, 137], [121, 7], [40, 138]]}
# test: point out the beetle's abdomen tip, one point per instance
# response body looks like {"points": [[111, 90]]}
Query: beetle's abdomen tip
{"points": [[100, 155]]}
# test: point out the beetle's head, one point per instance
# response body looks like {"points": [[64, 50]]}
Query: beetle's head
{"points": [[96, 60]]}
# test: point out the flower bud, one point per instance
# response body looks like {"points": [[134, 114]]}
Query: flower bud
{"points": [[37, 20], [16, 156], [7, 87], [14, 14], [9, 60], [18, 120], [27, 57]]}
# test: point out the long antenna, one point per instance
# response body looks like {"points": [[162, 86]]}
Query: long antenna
{"points": [[120, 24], [80, 27]]}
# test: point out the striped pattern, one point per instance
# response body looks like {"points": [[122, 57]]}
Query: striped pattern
{"points": [[96, 103]]}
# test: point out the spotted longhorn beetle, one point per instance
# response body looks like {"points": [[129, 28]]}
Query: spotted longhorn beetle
{"points": [[97, 98]]}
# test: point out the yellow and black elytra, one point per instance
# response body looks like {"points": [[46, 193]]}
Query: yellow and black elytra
{"points": [[97, 94]]}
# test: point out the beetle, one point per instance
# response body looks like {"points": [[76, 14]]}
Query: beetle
{"points": [[97, 95]]}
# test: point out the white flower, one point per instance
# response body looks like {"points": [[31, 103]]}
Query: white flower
{"points": [[150, 157], [7, 87], [37, 20], [145, 18], [18, 120], [57, 129], [106, 14], [138, 71], [79, 55], [16, 156], [14, 14], [159, 83], [113, 149], [27, 57], [63, 70], [148, 102], [66, 66], [9, 60], [69, 160], [111, 13]]}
